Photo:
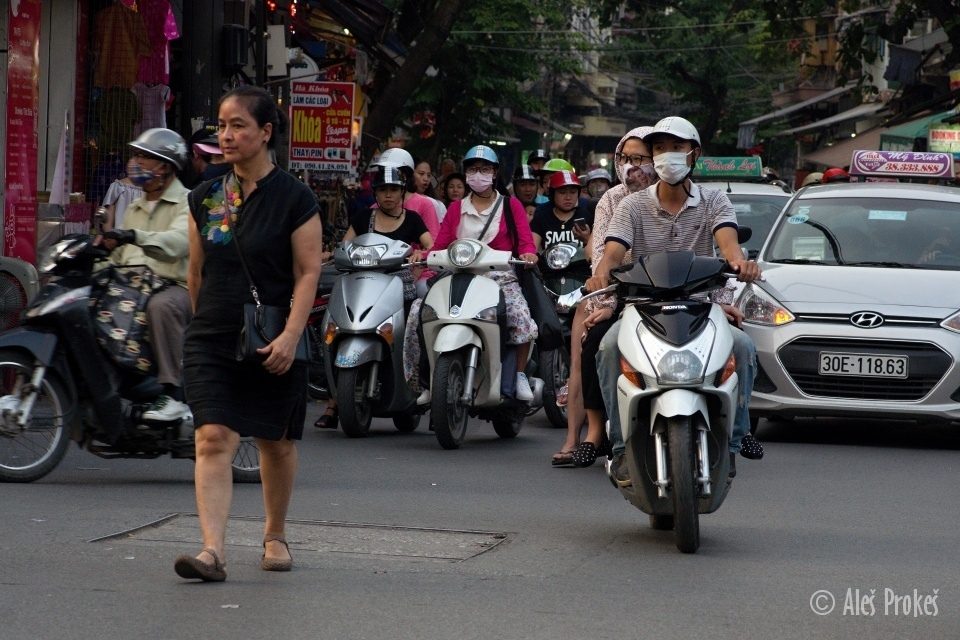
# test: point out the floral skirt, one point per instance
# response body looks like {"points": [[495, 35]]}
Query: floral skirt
{"points": [[521, 328]]}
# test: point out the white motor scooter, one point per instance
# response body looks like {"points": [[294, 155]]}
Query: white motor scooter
{"points": [[677, 392], [464, 335]]}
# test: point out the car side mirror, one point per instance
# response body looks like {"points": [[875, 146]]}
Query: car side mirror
{"points": [[744, 234]]}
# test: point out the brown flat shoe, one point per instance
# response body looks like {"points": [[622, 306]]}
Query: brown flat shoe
{"points": [[191, 568], [275, 564]]}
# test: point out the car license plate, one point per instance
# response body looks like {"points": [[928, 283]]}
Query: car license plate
{"points": [[862, 364]]}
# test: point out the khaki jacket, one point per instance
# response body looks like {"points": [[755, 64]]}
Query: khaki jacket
{"points": [[162, 242]]}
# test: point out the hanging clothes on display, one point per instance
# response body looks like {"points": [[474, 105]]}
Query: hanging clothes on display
{"points": [[153, 106], [120, 40], [161, 26]]}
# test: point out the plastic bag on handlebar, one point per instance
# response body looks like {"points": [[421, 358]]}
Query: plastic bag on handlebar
{"points": [[118, 302]]}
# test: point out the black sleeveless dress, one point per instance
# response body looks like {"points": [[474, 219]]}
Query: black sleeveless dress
{"points": [[244, 396]]}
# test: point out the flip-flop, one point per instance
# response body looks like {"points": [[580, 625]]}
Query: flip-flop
{"points": [[562, 458]]}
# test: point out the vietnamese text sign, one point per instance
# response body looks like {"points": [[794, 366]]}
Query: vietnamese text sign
{"points": [[901, 163], [946, 140], [20, 155], [321, 124], [742, 167]]}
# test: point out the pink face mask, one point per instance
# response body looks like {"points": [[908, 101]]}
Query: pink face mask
{"points": [[479, 182]]}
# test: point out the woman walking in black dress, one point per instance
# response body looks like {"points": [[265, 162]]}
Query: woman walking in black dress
{"points": [[274, 219]]}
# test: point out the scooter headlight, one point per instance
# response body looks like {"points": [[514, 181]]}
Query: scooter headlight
{"points": [[366, 256], [462, 253], [679, 367], [559, 256]]}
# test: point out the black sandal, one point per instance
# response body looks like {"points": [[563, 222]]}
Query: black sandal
{"points": [[750, 447], [585, 454], [329, 420]]}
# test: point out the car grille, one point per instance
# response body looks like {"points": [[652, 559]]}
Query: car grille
{"points": [[928, 364]]}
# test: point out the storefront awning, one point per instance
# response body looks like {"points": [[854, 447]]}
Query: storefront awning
{"points": [[839, 154], [857, 113], [746, 136], [902, 137], [826, 95]]}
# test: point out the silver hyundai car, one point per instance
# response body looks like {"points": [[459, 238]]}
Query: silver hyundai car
{"points": [[859, 310]]}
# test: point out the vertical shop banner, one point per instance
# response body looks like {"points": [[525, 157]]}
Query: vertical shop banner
{"points": [[321, 125], [20, 155]]}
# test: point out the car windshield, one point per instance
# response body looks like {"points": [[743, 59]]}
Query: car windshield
{"points": [[758, 212], [868, 232]]}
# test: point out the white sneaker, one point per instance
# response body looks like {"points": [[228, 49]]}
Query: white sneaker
{"points": [[424, 398], [166, 409], [523, 391]]}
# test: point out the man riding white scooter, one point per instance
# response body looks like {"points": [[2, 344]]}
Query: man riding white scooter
{"points": [[673, 214]]}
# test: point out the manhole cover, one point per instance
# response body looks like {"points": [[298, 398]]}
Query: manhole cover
{"points": [[326, 537]]}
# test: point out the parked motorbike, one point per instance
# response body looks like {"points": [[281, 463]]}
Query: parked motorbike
{"points": [[464, 335], [365, 315], [677, 394], [57, 383], [567, 270]]}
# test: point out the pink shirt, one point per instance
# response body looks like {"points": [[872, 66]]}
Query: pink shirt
{"points": [[500, 242]]}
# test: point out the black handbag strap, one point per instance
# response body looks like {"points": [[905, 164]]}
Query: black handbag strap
{"points": [[236, 242]]}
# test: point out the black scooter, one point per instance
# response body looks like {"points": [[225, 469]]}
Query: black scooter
{"points": [[57, 383]]}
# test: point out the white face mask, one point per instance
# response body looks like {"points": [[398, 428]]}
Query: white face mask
{"points": [[672, 166], [479, 182]]}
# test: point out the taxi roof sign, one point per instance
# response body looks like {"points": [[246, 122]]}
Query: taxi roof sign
{"points": [[729, 167], [901, 164]]}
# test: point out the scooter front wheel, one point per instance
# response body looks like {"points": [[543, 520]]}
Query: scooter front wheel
{"points": [[683, 485], [30, 453], [352, 401], [448, 412]]}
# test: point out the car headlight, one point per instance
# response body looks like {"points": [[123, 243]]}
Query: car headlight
{"points": [[462, 253], [760, 307], [559, 256], [952, 323], [427, 313], [366, 256]]}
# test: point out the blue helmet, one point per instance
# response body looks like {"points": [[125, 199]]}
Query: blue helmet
{"points": [[480, 152]]}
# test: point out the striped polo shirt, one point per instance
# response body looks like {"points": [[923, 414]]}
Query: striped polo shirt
{"points": [[644, 227]]}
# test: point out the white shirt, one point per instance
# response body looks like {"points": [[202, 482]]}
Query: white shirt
{"points": [[472, 221]]}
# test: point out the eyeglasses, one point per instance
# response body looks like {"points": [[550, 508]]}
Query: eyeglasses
{"points": [[634, 160], [486, 170]]}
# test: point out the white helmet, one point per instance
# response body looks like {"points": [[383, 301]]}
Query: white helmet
{"points": [[397, 157], [677, 127]]}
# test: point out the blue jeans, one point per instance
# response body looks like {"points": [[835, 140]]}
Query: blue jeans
{"points": [[608, 370]]}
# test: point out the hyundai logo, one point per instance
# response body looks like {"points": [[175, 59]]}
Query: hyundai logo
{"points": [[455, 311], [866, 319]]}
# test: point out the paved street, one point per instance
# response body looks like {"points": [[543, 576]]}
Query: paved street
{"points": [[491, 542]]}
